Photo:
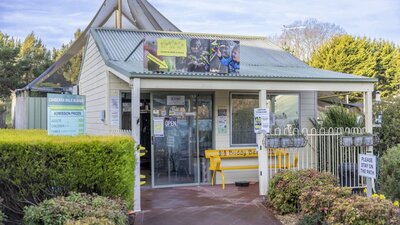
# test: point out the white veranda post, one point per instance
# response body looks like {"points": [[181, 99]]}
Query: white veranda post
{"points": [[368, 127], [262, 151], [135, 116]]}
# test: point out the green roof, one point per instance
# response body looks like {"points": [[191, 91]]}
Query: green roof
{"points": [[122, 50]]}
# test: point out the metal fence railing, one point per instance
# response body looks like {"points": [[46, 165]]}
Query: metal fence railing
{"points": [[322, 151]]}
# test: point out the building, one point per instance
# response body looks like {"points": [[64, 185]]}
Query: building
{"points": [[177, 111]]}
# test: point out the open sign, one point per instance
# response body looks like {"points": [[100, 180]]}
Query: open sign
{"points": [[171, 122]]}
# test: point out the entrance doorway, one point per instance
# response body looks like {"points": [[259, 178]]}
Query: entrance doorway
{"points": [[145, 129], [182, 131]]}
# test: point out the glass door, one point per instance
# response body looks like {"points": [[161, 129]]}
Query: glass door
{"points": [[176, 138]]}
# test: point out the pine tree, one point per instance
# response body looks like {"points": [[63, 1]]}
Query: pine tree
{"points": [[33, 59], [9, 49], [362, 56]]}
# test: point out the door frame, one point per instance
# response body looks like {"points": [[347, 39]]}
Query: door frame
{"points": [[211, 94]]}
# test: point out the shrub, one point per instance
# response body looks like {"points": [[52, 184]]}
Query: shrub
{"points": [[314, 219], [35, 167], [389, 173], [285, 188], [320, 199], [2, 216], [339, 117], [77, 208], [391, 123], [359, 210]]}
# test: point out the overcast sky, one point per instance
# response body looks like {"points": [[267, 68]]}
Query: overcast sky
{"points": [[56, 20]]}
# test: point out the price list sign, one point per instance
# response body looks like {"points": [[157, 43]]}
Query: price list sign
{"points": [[65, 114]]}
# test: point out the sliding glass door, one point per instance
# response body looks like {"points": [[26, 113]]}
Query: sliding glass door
{"points": [[181, 130]]}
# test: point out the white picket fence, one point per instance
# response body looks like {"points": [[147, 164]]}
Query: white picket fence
{"points": [[324, 153]]}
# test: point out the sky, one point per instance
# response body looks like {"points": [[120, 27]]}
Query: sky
{"points": [[55, 21]]}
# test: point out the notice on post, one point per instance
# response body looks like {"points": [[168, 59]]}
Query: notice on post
{"points": [[261, 120], [367, 165]]}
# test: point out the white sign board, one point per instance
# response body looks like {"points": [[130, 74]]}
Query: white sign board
{"points": [[261, 120], [114, 111], [158, 123], [175, 100], [367, 165]]}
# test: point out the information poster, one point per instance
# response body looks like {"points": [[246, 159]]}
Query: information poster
{"points": [[114, 111], [367, 165], [222, 120], [66, 114], [158, 123], [261, 120]]}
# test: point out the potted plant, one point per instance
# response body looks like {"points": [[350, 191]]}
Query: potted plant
{"points": [[368, 139], [272, 142], [358, 140], [285, 141], [347, 140], [299, 141]]}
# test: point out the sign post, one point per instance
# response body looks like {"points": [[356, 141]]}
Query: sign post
{"points": [[367, 168], [65, 114], [261, 127]]}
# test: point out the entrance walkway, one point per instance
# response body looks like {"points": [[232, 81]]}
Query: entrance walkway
{"points": [[204, 205]]}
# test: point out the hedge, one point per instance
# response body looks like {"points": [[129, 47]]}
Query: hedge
{"points": [[35, 167]]}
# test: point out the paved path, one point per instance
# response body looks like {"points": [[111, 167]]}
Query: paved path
{"points": [[204, 205]]}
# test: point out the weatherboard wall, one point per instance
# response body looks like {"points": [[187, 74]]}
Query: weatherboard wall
{"points": [[92, 84]]}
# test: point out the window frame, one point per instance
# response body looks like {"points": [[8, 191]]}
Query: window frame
{"points": [[231, 118], [290, 93]]}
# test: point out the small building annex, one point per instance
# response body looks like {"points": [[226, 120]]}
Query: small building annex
{"points": [[182, 101]]}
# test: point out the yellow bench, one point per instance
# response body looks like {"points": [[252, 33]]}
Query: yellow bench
{"points": [[215, 157]]}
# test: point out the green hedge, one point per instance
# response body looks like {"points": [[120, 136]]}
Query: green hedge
{"points": [[35, 167]]}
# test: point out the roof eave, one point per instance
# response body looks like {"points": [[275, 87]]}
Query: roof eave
{"points": [[289, 79]]}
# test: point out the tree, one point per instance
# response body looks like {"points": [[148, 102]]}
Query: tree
{"points": [[303, 38], [362, 56], [33, 59], [71, 69], [9, 49]]}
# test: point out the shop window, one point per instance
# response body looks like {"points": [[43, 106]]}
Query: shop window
{"points": [[242, 113], [284, 110]]}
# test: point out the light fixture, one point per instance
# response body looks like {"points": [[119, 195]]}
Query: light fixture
{"points": [[377, 96]]}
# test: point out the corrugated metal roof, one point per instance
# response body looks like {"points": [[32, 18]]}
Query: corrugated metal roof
{"points": [[259, 58]]}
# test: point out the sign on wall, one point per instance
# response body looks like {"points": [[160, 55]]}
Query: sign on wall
{"points": [[114, 110], [222, 120], [367, 165], [191, 55], [66, 114], [261, 120]]}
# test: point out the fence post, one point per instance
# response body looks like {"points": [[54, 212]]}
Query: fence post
{"points": [[368, 127]]}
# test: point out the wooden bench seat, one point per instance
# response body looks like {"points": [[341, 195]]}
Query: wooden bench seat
{"points": [[216, 156]]}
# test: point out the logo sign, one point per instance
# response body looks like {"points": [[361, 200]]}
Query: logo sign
{"points": [[171, 47], [261, 120], [66, 114], [367, 165]]}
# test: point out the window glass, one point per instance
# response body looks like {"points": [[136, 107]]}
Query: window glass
{"points": [[242, 118], [284, 109]]}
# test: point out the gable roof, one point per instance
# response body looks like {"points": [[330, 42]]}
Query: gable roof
{"points": [[122, 50], [137, 14]]}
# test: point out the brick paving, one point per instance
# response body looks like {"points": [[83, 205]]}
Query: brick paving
{"points": [[205, 205]]}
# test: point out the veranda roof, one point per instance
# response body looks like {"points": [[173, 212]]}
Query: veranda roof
{"points": [[122, 50]]}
